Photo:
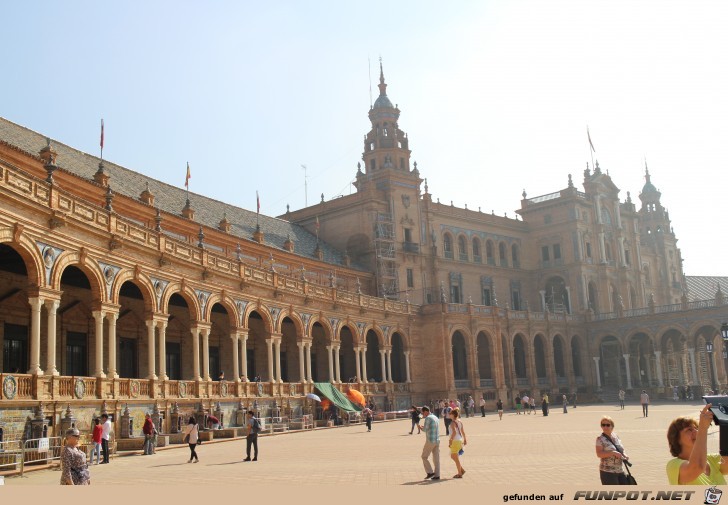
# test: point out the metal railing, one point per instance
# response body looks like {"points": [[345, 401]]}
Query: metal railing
{"points": [[40, 451]]}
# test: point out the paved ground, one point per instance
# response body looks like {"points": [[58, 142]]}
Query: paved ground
{"points": [[537, 451]]}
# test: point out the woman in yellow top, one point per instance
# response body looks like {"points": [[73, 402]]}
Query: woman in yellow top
{"points": [[688, 442]]}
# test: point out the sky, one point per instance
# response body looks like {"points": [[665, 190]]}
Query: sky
{"points": [[495, 96]]}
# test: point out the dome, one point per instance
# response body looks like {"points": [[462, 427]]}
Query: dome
{"points": [[382, 102]]}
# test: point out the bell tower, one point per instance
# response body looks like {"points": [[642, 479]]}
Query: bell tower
{"points": [[386, 147]]}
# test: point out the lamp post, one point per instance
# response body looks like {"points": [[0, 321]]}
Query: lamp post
{"points": [[724, 335], [709, 350]]}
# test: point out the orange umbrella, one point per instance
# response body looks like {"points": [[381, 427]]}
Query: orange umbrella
{"points": [[325, 404], [356, 397]]}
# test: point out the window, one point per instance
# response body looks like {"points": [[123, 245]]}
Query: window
{"points": [[76, 354], [401, 163], [462, 248], [502, 254], [545, 253], [486, 288], [408, 234], [373, 164], [516, 295], [588, 250], [447, 245], [476, 250], [174, 361], [547, 219], [487, 297], [557, 251], [514, 255], [410, 278], [489, 252], [15, 348], [627, 259]]}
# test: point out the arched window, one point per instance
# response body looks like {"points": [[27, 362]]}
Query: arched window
{"points": [[502, 255], [447, 245], [476, 250], [462, 249], [514, 256], [490, 259]]}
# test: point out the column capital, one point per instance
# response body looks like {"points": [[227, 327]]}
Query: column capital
{"points": [[201, 326], [52, 304], [626, 356], [596, 358], [276, 335], [44, 293], [36, 302], [112, 316], [658, 353]]}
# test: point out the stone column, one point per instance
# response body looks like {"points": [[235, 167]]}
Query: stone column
{"points": [[301, 363], [629, 375], [330, 348], [384, 365], [658, 367], [35, 304], [99, 318], [357, 354], [244, 353], [364, 363], [389, 365], [543, 300], [271, 377], [162, 325], [150, 348], [196, 352], [337, 350], [112, 317], [596, 366], [308, 362], [236, 361], [407, 365], [714, 368], [277, 343], [568, 299], [693, 370], [51, 308], [205, 353]]}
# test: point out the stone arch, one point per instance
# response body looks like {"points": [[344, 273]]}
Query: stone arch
{"points": [[185, 292], [262, 311], [459, 344], [559, 352], [399, 366], [29, 252], [520, 356], [377, 331], [228, 303], [295, 319], [89, 268], [641, 350], [540, 353], [325, 324], [577, 348], [611, 367], [486, 347], [141, 281], [352, 328], [374, 363], [448, 247]]}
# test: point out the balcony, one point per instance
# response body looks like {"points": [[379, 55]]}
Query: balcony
{"points": [[477, 259], [463, 256], [449, 255], [487, 383], [462, 384], [410, 247]]}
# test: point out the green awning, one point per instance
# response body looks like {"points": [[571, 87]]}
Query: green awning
{"points": [[337, 398]]}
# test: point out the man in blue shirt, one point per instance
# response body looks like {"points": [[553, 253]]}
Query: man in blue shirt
{"points": [[431, 427]]}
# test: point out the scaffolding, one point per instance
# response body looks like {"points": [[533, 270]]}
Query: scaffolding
{"points": [[387, 286]]}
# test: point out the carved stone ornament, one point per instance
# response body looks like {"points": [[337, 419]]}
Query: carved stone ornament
{"points": [[223, 388], [292, 389], [134, 388], [79, 389], [406, 201], [182, 389], [10, 387], [260, 389]]}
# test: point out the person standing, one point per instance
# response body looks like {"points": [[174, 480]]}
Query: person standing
{"points": [[621, 399], [368, 415], [482, 406], [471, 406], [251, 439], [446, 416], [457, 441], [431, 427], [105, 436], [524, 402], [611, 454], [518, 405], [533, 405], [96, 436], [499, 406], [565, 402], [192, 435], [74, 471], [545, 405], [148, 430], [645, 401], [415, 416]]}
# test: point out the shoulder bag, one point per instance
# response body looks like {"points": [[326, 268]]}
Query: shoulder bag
{"points": [[624, 479]]}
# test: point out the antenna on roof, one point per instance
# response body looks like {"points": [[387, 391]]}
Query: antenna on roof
{"points": [[369, 61], [305, 184]]}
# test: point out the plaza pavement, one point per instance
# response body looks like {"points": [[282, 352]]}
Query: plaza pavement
{"points": [[532, 450]]}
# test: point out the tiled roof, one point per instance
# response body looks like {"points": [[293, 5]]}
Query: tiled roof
{"points": [[171, 199], [704, 288]]}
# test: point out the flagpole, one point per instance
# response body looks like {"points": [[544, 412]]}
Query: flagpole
{"points": [[591, 146], [257, 212], [102, 139]]}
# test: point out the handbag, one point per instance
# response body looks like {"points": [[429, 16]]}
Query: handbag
{"points": [[79, 475], [624, 479]]}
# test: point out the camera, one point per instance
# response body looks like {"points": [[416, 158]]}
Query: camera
{"points": [[719, 408]]}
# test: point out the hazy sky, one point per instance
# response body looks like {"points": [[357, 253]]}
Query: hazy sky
{"points": [[495, 96]]}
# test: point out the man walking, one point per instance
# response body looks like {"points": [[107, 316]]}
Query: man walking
{"points": [[645, 401], [431, 427], [253, 425], [446, 416], [621, 399], [105, 435], [482, 406], [367, 412]]}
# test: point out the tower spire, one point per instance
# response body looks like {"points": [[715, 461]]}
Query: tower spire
{"points": [[382, 85], [647, 173]]}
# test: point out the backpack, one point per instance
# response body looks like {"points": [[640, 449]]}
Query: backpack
{"points": [[256, 426]]}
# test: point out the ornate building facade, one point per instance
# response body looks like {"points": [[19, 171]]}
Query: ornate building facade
{"points": [[120, 292]]}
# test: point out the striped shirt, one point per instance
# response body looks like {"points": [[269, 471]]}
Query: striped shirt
{"points": [[432, 429]]}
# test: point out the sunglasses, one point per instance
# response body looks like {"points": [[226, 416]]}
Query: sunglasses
{"points": [[606, 425]]}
